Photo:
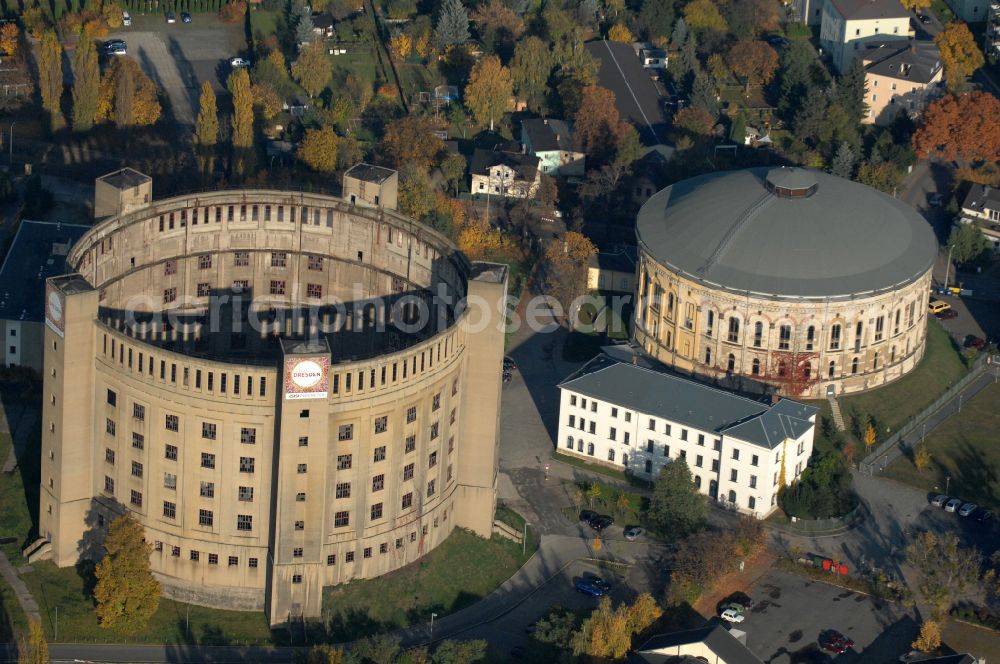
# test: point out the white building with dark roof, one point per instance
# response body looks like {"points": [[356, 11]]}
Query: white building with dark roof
{"points": [[900, 77], [502, 173], [638, 419], [847, 25], [552, 142], [712, 643], [981, 207]]}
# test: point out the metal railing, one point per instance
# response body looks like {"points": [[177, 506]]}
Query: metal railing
{"points": [[895, 445]]}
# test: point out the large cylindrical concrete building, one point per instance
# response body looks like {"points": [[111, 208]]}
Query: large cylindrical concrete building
{"points": [[281, 387], [783, 279]]}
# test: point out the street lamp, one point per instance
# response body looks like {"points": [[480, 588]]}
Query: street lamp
{"points": [[947, 483], [433, 616]]}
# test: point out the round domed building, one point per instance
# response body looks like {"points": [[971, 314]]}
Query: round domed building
{"points": [[783, 279]]}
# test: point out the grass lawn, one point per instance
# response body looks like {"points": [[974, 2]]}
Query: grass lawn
{"points": [[362, 65], [898, 402], [416, 78], [461, 570], [64, 588], [607, 503], [963, 448]]}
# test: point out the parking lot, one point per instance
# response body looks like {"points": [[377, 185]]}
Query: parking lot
{"points": [[179, 57], [791, 611]]}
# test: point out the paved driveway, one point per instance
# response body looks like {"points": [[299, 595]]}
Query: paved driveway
{"points": [[179, 57]]}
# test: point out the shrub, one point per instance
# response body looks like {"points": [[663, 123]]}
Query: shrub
{"points": [[233, 12]]}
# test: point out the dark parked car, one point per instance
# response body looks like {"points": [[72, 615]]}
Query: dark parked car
{"points": [[588, 515], [833, 641], [740, 598], [588, 587], [598, 581], [985, 517], [185, 17], [972, 341], [600, 522], [509, 364], [947, 314], [924, 18]]}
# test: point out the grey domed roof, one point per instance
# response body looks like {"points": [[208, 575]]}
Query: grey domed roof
{"points": [[786, 232]]}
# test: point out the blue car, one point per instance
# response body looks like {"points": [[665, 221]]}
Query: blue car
{"points": [[588, 587]]}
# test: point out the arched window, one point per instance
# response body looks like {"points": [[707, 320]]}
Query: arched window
{"points": [[611, 455], [781, 367], [710, 322], [875, 361], [755, 367], [810, 337], [854, 365], [784, 337], [758, 334], [649, 466], [708, 356], [732, 496], [892, 355], [670, 303], [579, 445], [807, 370], [731, 363], [833, 366], [835, 337], [734, 330], [624, 459], [590, 449], [857, 337], [569, 443], [697, 481]]}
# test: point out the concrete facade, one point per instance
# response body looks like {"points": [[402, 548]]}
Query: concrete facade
{"points": [[269, 463], [121, 192], [372, 186], [970, 11]]}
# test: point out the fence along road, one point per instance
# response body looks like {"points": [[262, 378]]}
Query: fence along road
{"points": [[986, 370]]}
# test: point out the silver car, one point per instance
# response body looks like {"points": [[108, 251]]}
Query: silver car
{"points": [[939, 500], [952, 505], [967, 509]]}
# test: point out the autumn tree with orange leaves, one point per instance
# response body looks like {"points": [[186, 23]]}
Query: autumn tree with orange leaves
{"points": [[754, 61], [411, 139], [565, 269], [597, 125], [960, 127]]}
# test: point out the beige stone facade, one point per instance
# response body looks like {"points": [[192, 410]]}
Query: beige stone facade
{"points": [[268, 461], [802, 347]]}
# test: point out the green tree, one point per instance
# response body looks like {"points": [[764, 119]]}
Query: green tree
{"points": [[810, 121], [944, 567], [754, 61], [50, 78], [593, 493], [677, 509], [86, 85], [703, 16], [127, 595], [453, 169], [656, 17], [325, 654], [451, 651], [738, 131], [453, 24], [959, 54], [206, 129], [313, 69], [489, 91], [32, 647], [558, 628], [967, 243], [304, 27], [416, 193], [843, 162], [242, 122], [318, 149], [530, 69]]}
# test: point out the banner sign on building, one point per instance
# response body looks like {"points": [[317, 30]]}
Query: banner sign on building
{"points": [[307, 377], [55, 308]]}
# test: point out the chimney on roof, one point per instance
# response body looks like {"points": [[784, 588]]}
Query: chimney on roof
{"points": [[775, 398]]}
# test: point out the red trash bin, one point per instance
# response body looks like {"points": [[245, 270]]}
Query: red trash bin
{"points": [[826, 564]]}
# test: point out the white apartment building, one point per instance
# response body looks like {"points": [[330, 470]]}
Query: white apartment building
{"points": [[982, 208], [639, 419], [847, 25]]}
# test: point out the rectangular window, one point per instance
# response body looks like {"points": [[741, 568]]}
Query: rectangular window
{"points": [[208, 431], [376, 511], [109, 485], [408, 472], [204, 289], [169, 510], [345, 432], [753, 481], [136, 469], [430, 488], [207, 490], [169, 268], [315, 263], [109, 426], [246, 494], [213, 559], [169, 294], [407, 500], [379, 454], [246, 464], [172, 423], [279, 259], [411, 443], [344, 462], [432, 460], [170, 452], [136, 498], [207, 460], [302, 469], [341, 519], [112, 396], [378, 483], [754, 460], [138, 442], [381, 424], [314, 290], [241, 258], [736, 454], [244, 522], [297, 552], [344, 490], [733, 474], [170, 481], [248, 435], [277, 287]]}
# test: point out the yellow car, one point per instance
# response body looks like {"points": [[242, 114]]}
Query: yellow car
{"points": [[937, 306]]}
